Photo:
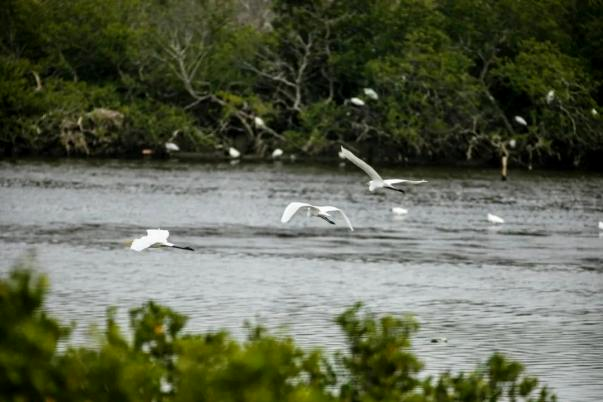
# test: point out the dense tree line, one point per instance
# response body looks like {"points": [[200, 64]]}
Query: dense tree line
{"points": [[438, 80], [157, 361]]}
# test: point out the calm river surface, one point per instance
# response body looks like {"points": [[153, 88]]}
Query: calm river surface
{"points": [[531, 288]]}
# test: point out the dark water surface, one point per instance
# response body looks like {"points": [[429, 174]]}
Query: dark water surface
{"points": [[531, 288]]}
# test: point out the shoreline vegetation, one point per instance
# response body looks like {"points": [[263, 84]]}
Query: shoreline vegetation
{"points": [[407, 80], [156, 361]]}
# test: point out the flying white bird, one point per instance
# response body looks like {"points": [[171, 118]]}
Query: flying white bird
{"points": [[155, 238], [357, 101], [234, 153], [371, 93], [316, 211], [399, 210], [493, 219], [277, 153], [259, 122], [550, 96], [520, 120], [376, 181]]}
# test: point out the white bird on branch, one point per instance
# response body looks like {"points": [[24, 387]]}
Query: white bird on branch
{"points": [[357, 101], [259, 122], [277, 153], [550, 96], [371, 93], [315, 211], [520, 120], [376, 181]]}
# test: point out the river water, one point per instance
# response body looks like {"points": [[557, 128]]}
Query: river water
{"points": [[530, 288]]}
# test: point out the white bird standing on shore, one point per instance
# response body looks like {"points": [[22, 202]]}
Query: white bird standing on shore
{"points": [[376, 181], [370, 93], [493, 219], [520, 120], [234, 153], [316, 211], [277, 153], [155, 238]]}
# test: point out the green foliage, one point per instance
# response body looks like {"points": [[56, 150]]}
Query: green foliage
{"points": [[450, 75], [157, 362]]}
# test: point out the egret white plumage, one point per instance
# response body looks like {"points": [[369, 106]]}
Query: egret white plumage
{"points": [[315, 211], [600, 225], [520, 120], [357, 101], [277, 153], [259, 122], [234, 153], [172, 147], [512, 143], [493, 219], [376, 181], [155, 238], [399, 210], [370, 93], [594, 112], [550, 96]]}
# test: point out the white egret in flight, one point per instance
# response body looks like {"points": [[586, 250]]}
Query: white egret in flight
{"points": [[376, 181], [520, 120], [357, 101], [155, 238], [369, 92], [493, 219], [316, 211]]}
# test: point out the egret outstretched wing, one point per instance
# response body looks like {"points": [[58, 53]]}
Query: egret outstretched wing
{"points": [[361, 164], [142, 243], [291, 209], [329, 209], [395, 181]]}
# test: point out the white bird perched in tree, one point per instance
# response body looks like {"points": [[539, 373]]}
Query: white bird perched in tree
{"points": [[316, 211], [399, 210], [376, 181], [594, 112], [234, 153], [371, 93], [550, 96], [493, 219], [277, 153], [155, 238], [357, 101], [259, 122], [520, 120]]}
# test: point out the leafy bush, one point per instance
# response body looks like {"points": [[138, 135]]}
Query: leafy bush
{"points": [[157, 362]]}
